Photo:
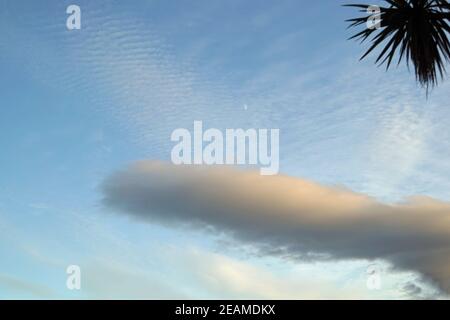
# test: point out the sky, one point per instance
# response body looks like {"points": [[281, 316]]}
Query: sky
{"points": [[86, 179]]}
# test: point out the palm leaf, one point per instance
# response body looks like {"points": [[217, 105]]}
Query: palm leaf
{"points": [[416, 30]]}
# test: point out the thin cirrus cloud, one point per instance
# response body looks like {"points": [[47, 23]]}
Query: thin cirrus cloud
{"points": [[288, 216]]}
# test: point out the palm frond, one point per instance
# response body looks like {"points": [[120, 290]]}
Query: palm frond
{"points": [[416, 30]]}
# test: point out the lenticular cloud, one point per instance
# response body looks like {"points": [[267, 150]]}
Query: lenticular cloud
{"points": [[289, 215]]}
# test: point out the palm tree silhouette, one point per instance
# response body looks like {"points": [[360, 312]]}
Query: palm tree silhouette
{"points": [[416, 29]]}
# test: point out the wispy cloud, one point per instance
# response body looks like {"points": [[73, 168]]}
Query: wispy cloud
{"points": [[24, 288]]}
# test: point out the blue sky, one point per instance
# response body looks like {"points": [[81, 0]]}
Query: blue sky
{"points": [[76, 106]]}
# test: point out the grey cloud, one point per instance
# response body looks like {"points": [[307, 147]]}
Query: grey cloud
{"points": [[289, 215], [411, 289]]}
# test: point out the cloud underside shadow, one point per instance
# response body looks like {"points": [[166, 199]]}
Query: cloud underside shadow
{"points": [[288, 216]]}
